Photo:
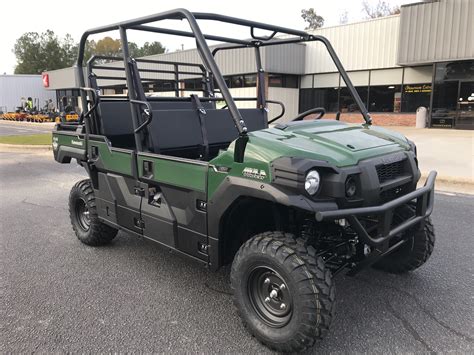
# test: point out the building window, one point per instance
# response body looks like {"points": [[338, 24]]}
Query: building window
{"points": [[237, 81], [324, 97], [193, 84], [385, 98], [290, 81], [453, 97], [275, 80], [159, 86], [454, 71], [347, 103], [283, 81], [250, 80], [240, 81], [414, 96], [306, 100]]}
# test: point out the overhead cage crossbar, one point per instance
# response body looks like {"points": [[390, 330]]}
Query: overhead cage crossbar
{"points": [[172, 69], [209, 64]]}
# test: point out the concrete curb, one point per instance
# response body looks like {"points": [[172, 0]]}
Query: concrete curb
{"points": [[29, 147], [25, 124], [450, 184], [450, 179]]}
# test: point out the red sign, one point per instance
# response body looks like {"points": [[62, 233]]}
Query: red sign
{"points": [[46, 80]]}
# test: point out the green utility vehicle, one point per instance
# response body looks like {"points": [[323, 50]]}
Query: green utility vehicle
{"points": [[288, 205]]}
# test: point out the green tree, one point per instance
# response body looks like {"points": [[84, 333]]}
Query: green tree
{"points": [[151, 48], [108, 46], [36, 52], [69, 49], [312, 18], [344, 17], [381, 9]]}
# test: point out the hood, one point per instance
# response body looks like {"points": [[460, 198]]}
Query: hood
{"points": [[336, 142]]}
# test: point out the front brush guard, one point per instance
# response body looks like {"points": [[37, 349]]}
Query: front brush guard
{"points": [[424, 200]]}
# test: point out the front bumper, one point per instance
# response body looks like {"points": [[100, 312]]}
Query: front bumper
{"points": [[424, 200]]}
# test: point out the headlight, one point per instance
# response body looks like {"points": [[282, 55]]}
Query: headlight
{"points": [[351, 186], [312, 182], [412, 146]]}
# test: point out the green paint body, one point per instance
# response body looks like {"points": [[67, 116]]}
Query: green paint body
{"points": [[189, 175], [338, 143], [335, 142]]}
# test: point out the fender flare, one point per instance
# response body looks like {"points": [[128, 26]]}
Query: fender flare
{"points": [[233, 188]]}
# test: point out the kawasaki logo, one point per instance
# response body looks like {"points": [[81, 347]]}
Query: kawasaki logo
{"points": [[254, 173], [55, 143], [73, 142], [392, 159]]}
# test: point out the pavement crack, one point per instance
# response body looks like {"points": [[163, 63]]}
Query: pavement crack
{"points": [[36, 204], [216, 290], [423, 309], [409, 328]]}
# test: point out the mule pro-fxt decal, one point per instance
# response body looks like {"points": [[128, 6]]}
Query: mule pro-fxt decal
{"points": [[254, 173]]}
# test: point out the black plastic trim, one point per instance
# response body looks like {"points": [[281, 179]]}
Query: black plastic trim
{"points": [[424, 197]]}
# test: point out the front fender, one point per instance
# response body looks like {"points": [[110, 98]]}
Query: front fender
{"points": [[234, 187]]}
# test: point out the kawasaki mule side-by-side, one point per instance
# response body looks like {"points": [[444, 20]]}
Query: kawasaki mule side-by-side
{"points": [[288, 205]]}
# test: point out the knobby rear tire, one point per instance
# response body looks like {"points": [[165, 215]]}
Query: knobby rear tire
{"points": [[84, 218]]}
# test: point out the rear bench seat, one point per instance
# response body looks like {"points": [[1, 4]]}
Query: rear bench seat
{"points": [[175, 129]]}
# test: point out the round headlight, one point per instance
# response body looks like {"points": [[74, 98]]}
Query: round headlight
{"points": [[351, 187], [312, 182]]}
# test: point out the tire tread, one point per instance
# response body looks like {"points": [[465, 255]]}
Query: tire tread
{"points": [[99, 233], [316, 288]]}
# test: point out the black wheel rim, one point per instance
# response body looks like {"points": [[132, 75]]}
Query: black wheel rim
{"points": [[82, 214], [270, 296]]}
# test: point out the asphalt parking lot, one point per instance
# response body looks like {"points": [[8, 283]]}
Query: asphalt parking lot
{"points": [[58, 295], [10, 128]]}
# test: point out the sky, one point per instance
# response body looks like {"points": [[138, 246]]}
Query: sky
{"points": [[75, 17]]}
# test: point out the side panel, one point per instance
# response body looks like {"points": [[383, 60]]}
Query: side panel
{"points": [[106, 158], [106, 201], [117, 201], [184, 173], [119, 198], [180, 187], [158, 217]]}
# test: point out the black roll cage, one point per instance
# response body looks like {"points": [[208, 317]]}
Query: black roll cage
{"points": [[209, 64]]}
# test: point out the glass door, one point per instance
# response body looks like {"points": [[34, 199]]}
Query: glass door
{"points": [[465, 105], [453, 95]]}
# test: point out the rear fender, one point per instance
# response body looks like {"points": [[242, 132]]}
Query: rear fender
{"points": [[67, 146]]}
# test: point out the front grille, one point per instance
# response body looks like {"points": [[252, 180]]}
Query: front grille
{"points": [[394, 193], [390, 171]]}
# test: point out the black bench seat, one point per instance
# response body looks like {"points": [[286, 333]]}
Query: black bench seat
{"points": [[176, 129]]}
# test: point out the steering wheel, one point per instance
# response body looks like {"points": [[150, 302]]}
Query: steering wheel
{"points": [[319, 110]]}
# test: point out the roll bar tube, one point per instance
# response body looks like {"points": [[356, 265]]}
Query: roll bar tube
{"points": [[203, 49], [337, 62], [208, 57]]}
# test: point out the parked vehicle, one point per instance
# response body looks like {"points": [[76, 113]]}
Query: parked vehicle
{"points": [[289, 205]]}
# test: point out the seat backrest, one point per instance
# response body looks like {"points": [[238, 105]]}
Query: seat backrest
{"points": [[255, 118], [117, 125], [178, 105], [116, 122], [221, 128], [174, 130]]}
